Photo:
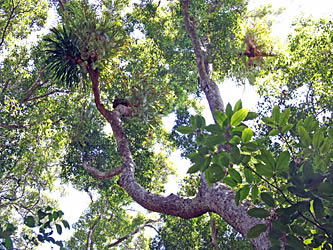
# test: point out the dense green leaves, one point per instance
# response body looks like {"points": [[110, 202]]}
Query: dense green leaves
{"points": [[255, 231]]}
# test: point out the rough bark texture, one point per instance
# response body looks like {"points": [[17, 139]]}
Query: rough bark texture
{"points": [[218, 198]]}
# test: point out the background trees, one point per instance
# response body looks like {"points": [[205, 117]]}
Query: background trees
{"points": [[104, 63]]}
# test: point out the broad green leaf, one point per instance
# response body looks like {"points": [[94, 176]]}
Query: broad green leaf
{"points": [[326, 188], [264, 170], [276, 113], [237, 197], [193, 169], [238, 105], [247, 135], [206, 163], [282, 163], [235, 154], [279, 226], [305, 138], [284, 117], [238, 117], [267, 158], [235, 175], [200, 122], [219, 116], [229, 181], [250, 147], [268, 199], [326, 146], [29, 221], [193, 122], [41, 214], [308, 123], [215, 140], [8, 243], [254, 192], [317, 139], [294, 242], [298, 230], [244, 192], [318, 208], [330, 133], [59, 229], [274, 132], [214, 173], [251, 116], [185, 130], [215, 129], [258, 212], [268, 121], [287, 127], [235, 140], [255, 231], [248, 175], [228, 111]]}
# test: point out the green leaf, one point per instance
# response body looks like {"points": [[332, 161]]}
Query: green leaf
{"points": [[287, 127], [228, 111], [318, 208], [193, 169], [305, 138], [66, 224], [264, 170], [219, 116], [317, 139], [41, 214], [193, 122], [229, 181], [274, 132], [284, 117], [254, 192], [282, 163], [326, 146], [248, 175], [247, 135], [59, 229], [326, 188], [267, 158], [308, 123], [238, 117], [251, 116], [215, 129], [29, 221], [268, 199], [215, 140], [235, 140], [8, 243], [244, 192], [214, 173], [276, 113], [294, 242], [298, 230], [258, 212], [200, 122], [330, 133], [279, 226], [235, 175], [238, 105], [185, 130], [255, 231], [237, 197], [268, 121]]}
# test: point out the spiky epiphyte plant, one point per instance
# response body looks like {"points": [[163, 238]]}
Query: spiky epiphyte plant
{"points": [[63, 57], [83, 39]]}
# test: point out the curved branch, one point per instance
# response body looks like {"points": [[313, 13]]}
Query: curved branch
{"points": [[101, 174]]}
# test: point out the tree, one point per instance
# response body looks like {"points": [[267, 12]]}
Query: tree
{"points": [[91, 69]]}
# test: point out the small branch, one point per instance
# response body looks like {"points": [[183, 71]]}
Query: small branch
{"points": [[214, 234], [101, 174], [47, 94], [11, 15], [146, 224]]}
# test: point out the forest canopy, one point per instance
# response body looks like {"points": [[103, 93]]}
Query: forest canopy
{"points": [[83, 104]]}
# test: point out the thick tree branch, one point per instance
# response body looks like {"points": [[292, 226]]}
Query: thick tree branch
{"points": [[11, 16], [45, 95]]}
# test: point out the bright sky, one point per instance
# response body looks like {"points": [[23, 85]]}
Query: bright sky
{"points": [[75, 202]]}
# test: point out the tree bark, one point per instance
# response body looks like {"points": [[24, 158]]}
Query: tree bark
{"points": [[218, 198]]}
